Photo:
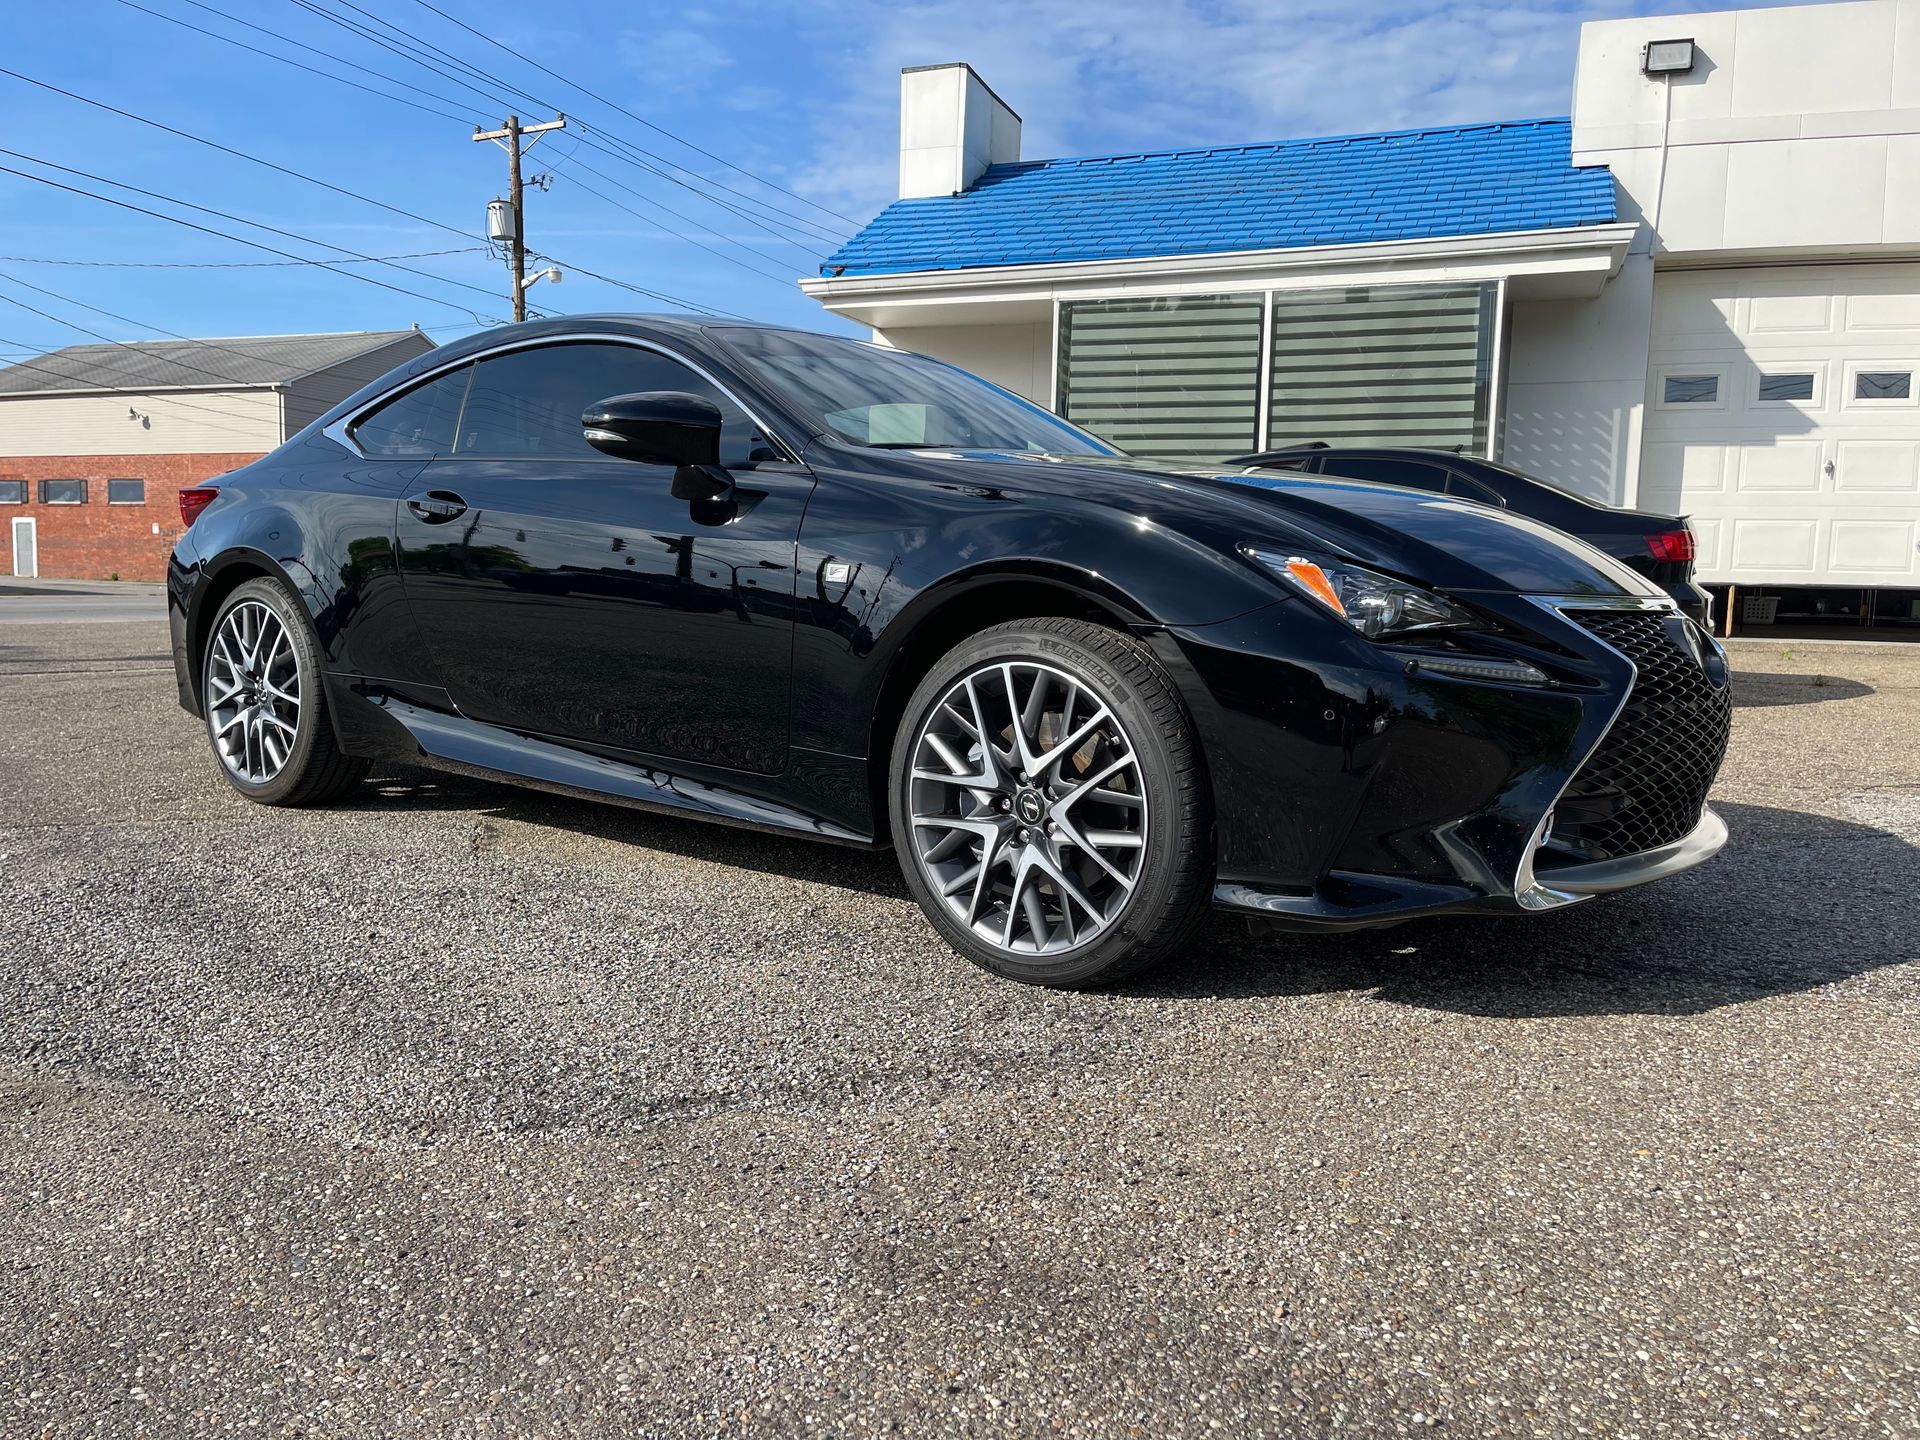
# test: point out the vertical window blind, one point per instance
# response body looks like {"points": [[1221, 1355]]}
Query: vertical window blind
{"points": [[1164, 377], [1382, 365]]}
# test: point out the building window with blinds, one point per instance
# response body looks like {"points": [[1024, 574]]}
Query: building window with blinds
{"points": [[1383, 365], [1164, 378]]}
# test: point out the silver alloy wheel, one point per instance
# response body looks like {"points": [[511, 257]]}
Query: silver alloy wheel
{"points": [[253, 692], [1028, 809]]}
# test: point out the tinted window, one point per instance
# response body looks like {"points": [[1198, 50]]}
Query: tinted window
{"points": [[420, 422], [126, 492], [1691, 389], [13, 492], [529, 402], [63, 492], [1414, 474], [1883, 385], [1786, 387], [873, 395], [1458, 484]]}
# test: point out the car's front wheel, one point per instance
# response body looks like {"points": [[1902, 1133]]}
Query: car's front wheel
{"points": [[264, 703], [1049, 804]]}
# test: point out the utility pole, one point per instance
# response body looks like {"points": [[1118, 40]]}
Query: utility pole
{"points": [[509, 138]]}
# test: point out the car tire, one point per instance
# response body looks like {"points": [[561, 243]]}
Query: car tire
{"points": [[1098, 831], [265, 705]]}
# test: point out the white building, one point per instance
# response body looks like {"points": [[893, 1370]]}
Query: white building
{"points": [[1701, 294]]}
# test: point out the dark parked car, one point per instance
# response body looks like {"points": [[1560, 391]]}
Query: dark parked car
{"points": [[828, 589], [1658, 546]]}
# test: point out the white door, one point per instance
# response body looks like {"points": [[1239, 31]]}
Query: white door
{"points": [[26, 548], [1783, 416]]}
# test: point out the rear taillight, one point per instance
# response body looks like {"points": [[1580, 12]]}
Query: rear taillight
{"points": [[193, 501], [1675, 545]]}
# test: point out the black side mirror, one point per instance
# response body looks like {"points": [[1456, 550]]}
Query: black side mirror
{"points": [[656, 427]]}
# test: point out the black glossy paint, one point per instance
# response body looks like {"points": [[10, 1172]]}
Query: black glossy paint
{"points": [[740, 649], [1616, 530]]}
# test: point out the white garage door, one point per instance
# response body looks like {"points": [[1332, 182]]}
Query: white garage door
{"points": [[1783, 416]]}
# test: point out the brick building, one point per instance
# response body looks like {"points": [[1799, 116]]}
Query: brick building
{"points": [[96, 441]]}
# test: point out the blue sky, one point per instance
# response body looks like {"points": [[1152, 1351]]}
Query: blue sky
{"points": [[801, 95]]}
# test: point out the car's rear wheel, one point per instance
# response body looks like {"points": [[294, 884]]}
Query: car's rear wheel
{"points": [[264, 703], [1049, 805]]}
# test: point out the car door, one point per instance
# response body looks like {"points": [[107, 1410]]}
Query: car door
{"points": [[366, 626], [569, 594]]}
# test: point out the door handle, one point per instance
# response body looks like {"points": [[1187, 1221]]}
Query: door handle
{"points": [[436, 507]]}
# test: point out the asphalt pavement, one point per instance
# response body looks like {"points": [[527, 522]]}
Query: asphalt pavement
{"points": [[78, 602], [461, 1110]]}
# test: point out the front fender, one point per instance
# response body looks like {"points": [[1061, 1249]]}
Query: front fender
{"points": [[879, 556]]}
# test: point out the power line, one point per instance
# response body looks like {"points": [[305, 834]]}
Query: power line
{"points": [[658, 129], [224, 235], [188, 25], [108, 339], [411, 48], [229, 264], [624, 285], [493, 95], [148, 395], [127, 320], [419, 54], [661, 296], [783, 281]]}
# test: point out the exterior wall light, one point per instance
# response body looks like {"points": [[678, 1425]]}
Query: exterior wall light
{"points": [[1667, 57]]}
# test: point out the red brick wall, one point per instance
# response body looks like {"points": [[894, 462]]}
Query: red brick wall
{"points": [[97, 541]]}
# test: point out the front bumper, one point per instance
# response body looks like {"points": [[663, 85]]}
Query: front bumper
{"points": [[1695, 602], [1360, 902], [1354, 789]]}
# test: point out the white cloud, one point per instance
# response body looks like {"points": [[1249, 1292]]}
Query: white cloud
{"points": [[1151, 74]]}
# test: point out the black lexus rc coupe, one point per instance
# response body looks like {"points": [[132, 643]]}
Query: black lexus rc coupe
{"points": [[824, 588]]}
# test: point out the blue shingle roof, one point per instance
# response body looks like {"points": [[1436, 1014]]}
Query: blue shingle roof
{"points": [[1403, 185]]}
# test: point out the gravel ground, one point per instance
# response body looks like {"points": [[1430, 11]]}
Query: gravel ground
{"points": [[469, 1111]]}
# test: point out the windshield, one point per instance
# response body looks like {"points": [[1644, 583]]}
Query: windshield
{"points": [[872, 395]]}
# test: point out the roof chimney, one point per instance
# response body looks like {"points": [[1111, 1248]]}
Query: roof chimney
{"points": [[952, 127]]}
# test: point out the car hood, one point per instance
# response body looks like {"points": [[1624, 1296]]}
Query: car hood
{"points": [[1443, 543]]}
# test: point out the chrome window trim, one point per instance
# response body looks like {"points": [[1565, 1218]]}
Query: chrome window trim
{"points": [[341, 430]]}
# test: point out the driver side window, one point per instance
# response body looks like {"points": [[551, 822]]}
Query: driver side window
{"points": [[527, 403]]}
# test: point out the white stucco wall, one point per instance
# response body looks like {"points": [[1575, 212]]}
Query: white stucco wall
{"points": [[1576, 385], [1020, 357]]}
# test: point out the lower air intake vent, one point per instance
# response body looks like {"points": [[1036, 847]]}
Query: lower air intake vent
{"points": [[1647, 783]]}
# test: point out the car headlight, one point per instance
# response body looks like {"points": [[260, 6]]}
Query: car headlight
{"points": [[1376, 605]]}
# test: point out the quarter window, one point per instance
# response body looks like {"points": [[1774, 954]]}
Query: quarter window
{"points": [[419, 423], [1883, 385], [63, 492], [126, 492], [1414, 474], [529, 402], [13, 492], [1692, 389], [1795, 386], [1460, 485]]}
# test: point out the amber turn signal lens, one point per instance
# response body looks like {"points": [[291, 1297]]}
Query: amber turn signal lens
{"points": [[1312, 579]]}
